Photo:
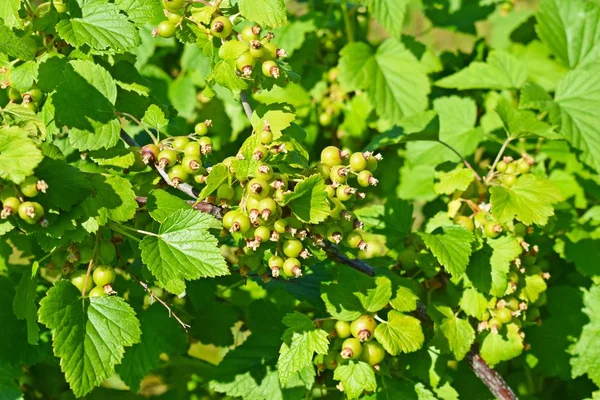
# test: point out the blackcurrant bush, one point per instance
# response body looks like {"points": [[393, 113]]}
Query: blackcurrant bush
{"points": [[351, 349], [31, 212], [103, 275], [179, 142], [269, 69], [258, 188], [250, 33], [358, 162], [363, 327], [492, 229], [221, 27], [106, 252], [465, 222], [78, 279], [167, 158], [166, 29], [372, 353], [342, 328], [292, 268], [292, 248], [331, 156], [97, 291]]}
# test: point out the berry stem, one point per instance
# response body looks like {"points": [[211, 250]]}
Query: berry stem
{"points": [[90, 264], [378, 318], [347, 22], [464, 160], [140, 123], [497, 160]]}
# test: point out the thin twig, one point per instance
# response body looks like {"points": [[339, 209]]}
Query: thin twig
{"points": [[153, 295], [334, 253], [90, 264], [464, 160], [491, 378], [246, 105], [498, 158], [140, 124], [183, 187]]}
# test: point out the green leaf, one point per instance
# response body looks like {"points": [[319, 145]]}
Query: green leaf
{"points": [[398, 219], [473, 303], [506, 249], [458, 179], [460, 335], [88, 336], [117, 156], [401, 333], [112, 198], [224, 73], [451, 246], [154, 118], [586, 353], [9, 12], [232, 49], [376, 298], [101, 26], [340, 298], [500, 71], [183, 248], [394, 79], [63, 178], [389, 13], [534, 286], [570, 30], [218, 174], [356, 377], [292, 35], [497, 347], [15, 46], [23, 76], [301, 341], [84, 101], [161, 204], [529, 200], [160, 334], [405, 300], [535, 97], [309, 201], [141, 12], [520, 124], [578, 98], [270, 13], [18, 154], [277, 116], [25, 303]]}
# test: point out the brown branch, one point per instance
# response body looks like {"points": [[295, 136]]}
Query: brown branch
{"points": [[490, 377], [203, 206], [334, 253]]}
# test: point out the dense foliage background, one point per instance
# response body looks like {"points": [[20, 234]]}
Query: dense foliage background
{"points": [[445, 247]]}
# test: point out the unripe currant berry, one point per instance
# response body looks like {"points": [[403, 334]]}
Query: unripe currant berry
{"points": [[331, 156], [14, 94], [262, 233], [29, 186], [372, 353], [256, 49], [344, 192], [228, 218], [355, 240], [504, 315], [363, 327], [10, 206], [179, 142], [31, 212], [339, 174], [523, 167], [351, 349], [269, 69], [173, 17], [494, 323], [267, 207], [173, 5], [334, 234], [501, 166], [292, 268], [492, 229], [280, 226], [511, 168], [292, 248], [372, 163], [225, 192], [167, 158], [342, 329], [221, 27], [509, 180], [270, 51], [520, 230], [205, 145], [325, 119], [250, 33], [330, 191], [259, 153], [150, 153], [365, 178], [97, 291], [201, 128], [241, 223], [191, 164], [258, 188], [166, 29], [178, 174], [266, 137], [337, 208], [245, 63], [78, 279], [103, 275], [513, 303], [358, 162], [106, 252], [324, 170], [264, 172], [465, 222]]}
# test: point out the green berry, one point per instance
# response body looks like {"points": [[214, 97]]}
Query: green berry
{"points": [[492, 230], [504, 315], [225, 192], [511, 168], [221, 27], [262, 233], [351, 349], [98, 291], [330, 191], [280, 225], [264, 172], [292, 268], [192, 149], [258, 188], [10, 205], [78, 279], [465, 222], [344, 192], [178, 174], [205, 141], [29, 186], [325, 119], [372, 164], [267, 207], [494, 323], [150, 153], [269, 69], [292, 248], [241, 223], [372, 353], [166, 29], [342, 329], [245, 63], [523, 167], [103, 275], [250, 33], [229, 218], [31, 212], [363, 327], [512, 303], [201, 129], [179, 142], [266, 137], [338, 174], [365, 178], [270, 51], [257, 50], [358, 162], [191, 164], [106, 252], [173, 5], [167, 158], [520, 230], [275, 262], [509, 180], [173, 17], [501, 166], [331, 156], [34, 94], [14, 94], [354, 239]]}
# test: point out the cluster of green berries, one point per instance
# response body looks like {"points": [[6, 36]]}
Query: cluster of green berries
{"points": [[31, 99], [174, 12], [16, 200], [333, 101], [260, 221], [102, 277], [181, 156], [509, 169], [351, 341]]}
